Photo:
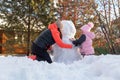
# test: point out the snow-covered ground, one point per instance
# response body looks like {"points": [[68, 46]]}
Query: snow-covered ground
{"points": [[103, 67]]}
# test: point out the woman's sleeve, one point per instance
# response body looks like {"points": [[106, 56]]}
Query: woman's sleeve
{"points": [[59, 42]]}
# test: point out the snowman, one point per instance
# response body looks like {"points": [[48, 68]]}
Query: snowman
{"points": [[65, 55]]}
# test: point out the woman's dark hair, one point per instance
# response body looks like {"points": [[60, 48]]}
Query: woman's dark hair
{"points": [[60, 33], [58, 23]]}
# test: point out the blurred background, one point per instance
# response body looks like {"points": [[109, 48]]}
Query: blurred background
{"points": [[21, 21]]}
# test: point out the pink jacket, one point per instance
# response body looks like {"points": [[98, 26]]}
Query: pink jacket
{"points": [[86, 47]]}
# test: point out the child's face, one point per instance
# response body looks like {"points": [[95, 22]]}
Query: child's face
{"points": [[61, 26]]}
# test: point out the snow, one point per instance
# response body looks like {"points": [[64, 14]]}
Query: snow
{"points": [[103, 67], [67, 65]]}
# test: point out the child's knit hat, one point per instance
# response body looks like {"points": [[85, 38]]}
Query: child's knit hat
{"points": [[87, 27]]}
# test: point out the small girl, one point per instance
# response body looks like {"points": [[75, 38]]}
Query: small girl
{"points": [[86, 47]]}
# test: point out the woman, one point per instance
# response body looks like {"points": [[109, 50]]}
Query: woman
{"points": [[46, 39]]}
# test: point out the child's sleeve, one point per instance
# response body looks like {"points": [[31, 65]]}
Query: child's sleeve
{"points": [[79, 41]]}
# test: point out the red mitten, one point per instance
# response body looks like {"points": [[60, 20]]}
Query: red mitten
{"points": [[33, 57]]}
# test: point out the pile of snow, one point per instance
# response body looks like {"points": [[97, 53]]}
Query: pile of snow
{"points": [[103, 67]]}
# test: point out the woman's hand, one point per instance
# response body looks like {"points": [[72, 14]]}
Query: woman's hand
{"points": [[72, 39]]}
